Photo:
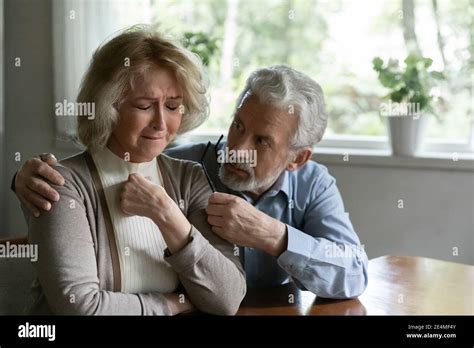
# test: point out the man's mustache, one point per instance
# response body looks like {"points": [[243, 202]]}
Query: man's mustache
{"points": [[245, 166]]}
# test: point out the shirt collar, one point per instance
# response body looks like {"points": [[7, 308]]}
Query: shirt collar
{"points": [[281, 184]]}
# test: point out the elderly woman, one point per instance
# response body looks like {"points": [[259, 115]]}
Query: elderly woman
{"points": [[130, 226]]}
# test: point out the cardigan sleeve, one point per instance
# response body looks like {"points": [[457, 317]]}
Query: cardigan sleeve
{"points": [[208, 266]]}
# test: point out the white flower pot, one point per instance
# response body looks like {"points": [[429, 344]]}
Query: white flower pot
{"points": [[406, 134]]}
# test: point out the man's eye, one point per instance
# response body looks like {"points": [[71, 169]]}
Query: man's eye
{"points": [[172, 108], [144, 107], [262, 141], [237, 125]]}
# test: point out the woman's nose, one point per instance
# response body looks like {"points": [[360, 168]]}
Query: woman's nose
{"points": [[159, 121]]}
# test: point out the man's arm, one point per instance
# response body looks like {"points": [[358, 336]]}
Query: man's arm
{"points": [[326, 257], [32, 184]]}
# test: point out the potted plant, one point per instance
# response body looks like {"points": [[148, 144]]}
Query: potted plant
{"points": [[409, 100]]}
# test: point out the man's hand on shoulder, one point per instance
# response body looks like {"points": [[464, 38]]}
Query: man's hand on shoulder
{"points": [[32, 183]]}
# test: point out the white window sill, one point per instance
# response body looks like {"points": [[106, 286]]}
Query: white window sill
{"points": [[384, 158]]}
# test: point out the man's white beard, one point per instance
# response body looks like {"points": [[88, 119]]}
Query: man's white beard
{"points": [[251, 184]]}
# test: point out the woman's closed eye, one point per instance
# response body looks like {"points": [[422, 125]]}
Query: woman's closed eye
{"points": [[172, 107], [144, 107], [147, 107]]}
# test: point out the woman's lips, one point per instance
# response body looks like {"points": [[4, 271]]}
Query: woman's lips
{"points": [[153, 137]]}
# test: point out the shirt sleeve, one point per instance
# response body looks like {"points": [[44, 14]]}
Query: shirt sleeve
{"points": [[326, 256]]}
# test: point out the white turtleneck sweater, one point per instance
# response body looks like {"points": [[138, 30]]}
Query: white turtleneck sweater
{"points": [[139, 241]]}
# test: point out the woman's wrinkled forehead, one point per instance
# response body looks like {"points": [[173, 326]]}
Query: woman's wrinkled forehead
{"points": [[155, 82]]}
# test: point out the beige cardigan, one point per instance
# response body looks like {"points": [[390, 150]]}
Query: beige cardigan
{"points": [[78, 266]]}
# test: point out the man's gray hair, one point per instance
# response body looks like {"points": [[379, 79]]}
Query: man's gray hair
{"points": [[286, 88]]}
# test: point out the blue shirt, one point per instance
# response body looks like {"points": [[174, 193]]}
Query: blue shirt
{"points": [[324, 254]]}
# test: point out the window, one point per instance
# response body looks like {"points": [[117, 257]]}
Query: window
{"points": [[332, 41], [335, 42], [79, 27]]}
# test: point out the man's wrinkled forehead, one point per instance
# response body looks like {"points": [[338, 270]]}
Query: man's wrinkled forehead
{"points": [[263, 118]]}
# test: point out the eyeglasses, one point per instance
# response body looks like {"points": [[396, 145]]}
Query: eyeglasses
{"points": [[213, 188]]}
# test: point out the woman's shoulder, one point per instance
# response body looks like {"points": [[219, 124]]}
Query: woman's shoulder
{"points": [[73, 164], [76, 170], [182, 173], [176, 165]]}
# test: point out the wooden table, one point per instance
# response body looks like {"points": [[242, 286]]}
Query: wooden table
{"points": [[397, 285]]}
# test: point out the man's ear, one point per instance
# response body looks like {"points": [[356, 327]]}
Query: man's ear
{"points": [[300, 159]]}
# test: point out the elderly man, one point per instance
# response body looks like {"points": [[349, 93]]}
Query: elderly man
{"points": [[283, 209]]}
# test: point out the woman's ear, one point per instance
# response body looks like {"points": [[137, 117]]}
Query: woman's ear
{"points": [[300, 159]]}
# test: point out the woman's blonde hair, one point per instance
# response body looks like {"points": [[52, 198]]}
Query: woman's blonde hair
{"points": [[129, 56]]}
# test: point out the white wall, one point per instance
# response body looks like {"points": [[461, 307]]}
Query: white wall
{"points": [[29, 107], [437, 214]]}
